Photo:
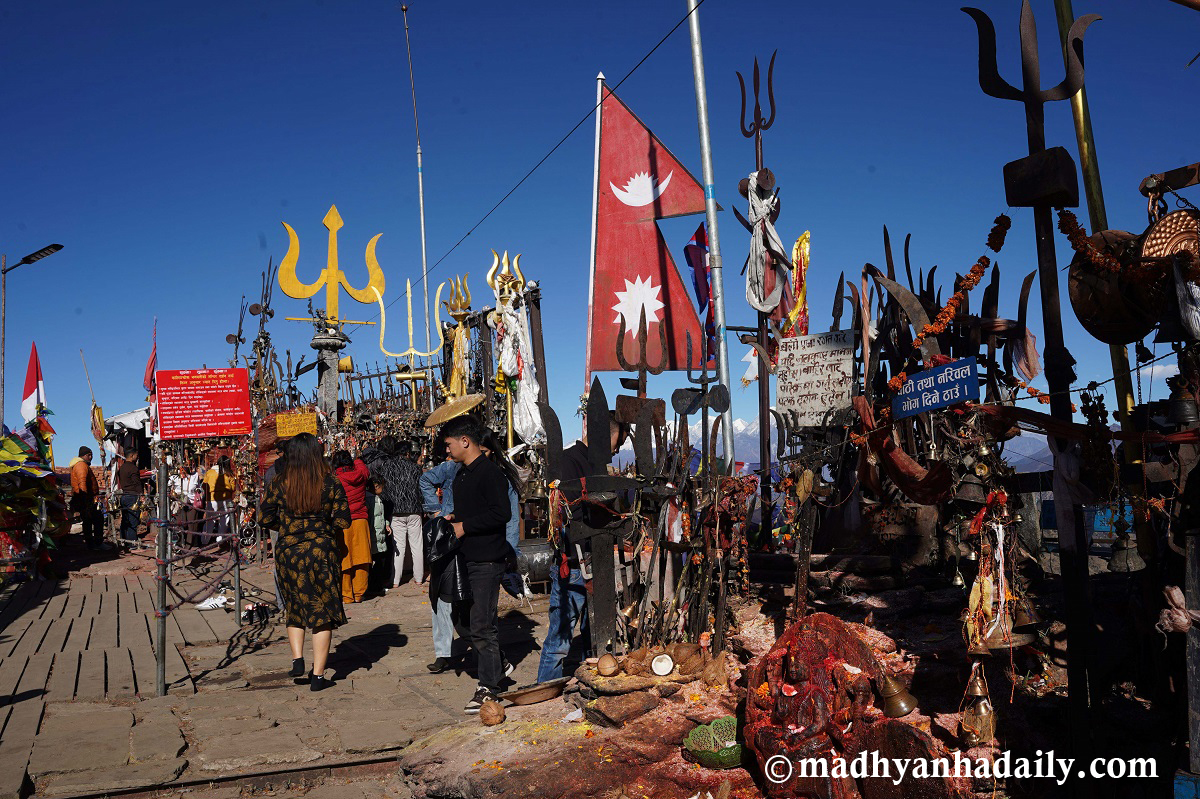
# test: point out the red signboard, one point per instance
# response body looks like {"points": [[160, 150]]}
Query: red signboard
{"points": [[203, 403]]}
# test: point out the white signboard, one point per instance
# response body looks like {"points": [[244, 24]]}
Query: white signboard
{"points": [[815, 374]]}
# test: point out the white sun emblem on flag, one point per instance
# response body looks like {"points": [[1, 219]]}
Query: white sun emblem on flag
{"points": [[639, 294]]}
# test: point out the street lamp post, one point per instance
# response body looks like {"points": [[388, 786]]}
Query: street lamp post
{"points": [[4, 270]]}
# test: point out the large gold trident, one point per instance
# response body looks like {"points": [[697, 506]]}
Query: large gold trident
{"points": [[331, 276]]}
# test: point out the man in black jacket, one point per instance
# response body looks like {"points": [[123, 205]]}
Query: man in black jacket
{"points": [[481, 511]]}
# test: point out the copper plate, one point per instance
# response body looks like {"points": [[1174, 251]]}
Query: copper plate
{"points": [[1177, 231], [455, 407], [538, 692]]}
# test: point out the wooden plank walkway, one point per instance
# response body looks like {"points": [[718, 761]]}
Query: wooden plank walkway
{"points": [[92, 639]]}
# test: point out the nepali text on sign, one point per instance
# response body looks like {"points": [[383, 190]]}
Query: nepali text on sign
{"points": [[957, 381], [203, 403], [293, 424], [815, 375]]}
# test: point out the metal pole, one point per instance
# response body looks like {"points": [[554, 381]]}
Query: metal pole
{"points": [[235, 532], [3, 323], [160, 642], [710, 212], [1098, 216], [587, 358], [420, 188]]}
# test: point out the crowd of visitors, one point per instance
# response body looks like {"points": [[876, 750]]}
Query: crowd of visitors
{"points": [[346, 526]]}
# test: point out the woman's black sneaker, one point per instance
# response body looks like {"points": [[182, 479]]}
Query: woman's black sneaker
{"points": [[317, 682], [297, 668], [439, 665]]}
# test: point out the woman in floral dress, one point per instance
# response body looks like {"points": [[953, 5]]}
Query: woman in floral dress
{"points": [[308, 507]]}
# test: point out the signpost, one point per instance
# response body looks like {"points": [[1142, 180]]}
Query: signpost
{"points": [[203, 403], [815, 375], [955, 382]]}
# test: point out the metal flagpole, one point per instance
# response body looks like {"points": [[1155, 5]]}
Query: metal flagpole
{"points": [[420, 190], [587, 363], [714, 240]]}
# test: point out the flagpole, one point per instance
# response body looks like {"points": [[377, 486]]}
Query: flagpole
{"points": [[587, 363], [420, 196], [717, 286]]}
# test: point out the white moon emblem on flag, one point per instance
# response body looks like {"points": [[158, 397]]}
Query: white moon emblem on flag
{"points": [[637, 295], [641, 189]]}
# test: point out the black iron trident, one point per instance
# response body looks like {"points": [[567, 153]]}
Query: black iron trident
{"points": [[1046, 179], [1043, 180]]}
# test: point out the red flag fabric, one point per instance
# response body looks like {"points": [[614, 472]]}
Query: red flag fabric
{"points": [[640, 181], [35, 389], [151, 362]]}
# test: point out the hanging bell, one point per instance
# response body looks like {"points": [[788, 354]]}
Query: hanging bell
{"points": [[979, 649], [977, 685], [978, 725], [1003, 636], [1125, 557], [957, 580], [897, 701], [1026, 619], [1181, 406]]}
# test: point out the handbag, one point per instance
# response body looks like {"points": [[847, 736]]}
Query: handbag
{"points": [[440, 539]]}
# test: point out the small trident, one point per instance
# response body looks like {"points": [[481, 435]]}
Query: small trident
{"points": [[459, 304], [642, 364], [331, 276], [758, 125]]}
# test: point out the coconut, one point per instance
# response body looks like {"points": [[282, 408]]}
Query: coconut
{"points": [[491, 713], [607, 665]]}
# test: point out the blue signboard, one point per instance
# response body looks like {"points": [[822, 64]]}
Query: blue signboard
{"points": [[957, 381]]}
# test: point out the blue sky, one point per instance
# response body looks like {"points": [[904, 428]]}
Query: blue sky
{"points": [[163, 144]]}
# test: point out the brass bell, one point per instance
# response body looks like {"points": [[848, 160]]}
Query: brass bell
{"points": [[957, 580], [979, 649], [1025, 619], [1003, 636], [1125, 557], [897, 701], [537, 489], [977, 685], [978, 725]]}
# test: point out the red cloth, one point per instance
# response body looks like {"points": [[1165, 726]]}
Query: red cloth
{"points": [[923, 486], [354, 480]]}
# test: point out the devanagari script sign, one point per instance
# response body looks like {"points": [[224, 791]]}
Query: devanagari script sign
{"points": [[293, 424], [203, 403], [815, 374], [957, 381]]}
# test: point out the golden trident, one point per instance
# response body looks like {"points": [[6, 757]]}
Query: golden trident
{"points": [[504, 283], [331, 276], [412, 349]]}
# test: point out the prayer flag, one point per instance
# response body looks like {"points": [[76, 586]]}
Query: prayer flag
{"points": [[696, 255]]}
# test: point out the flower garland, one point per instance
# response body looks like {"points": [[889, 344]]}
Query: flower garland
{"points": [[995, 242], [1069, 225]]}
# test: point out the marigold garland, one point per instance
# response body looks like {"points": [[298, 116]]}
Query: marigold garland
{"points": [[1069, 225], [995, 239]]}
